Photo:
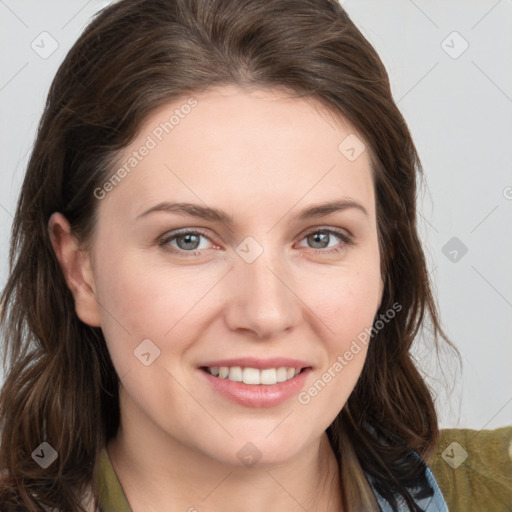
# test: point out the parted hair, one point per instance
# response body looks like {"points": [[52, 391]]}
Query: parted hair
{"points": [[134, 57]]}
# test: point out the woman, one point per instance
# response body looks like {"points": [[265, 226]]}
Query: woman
{"points": [[216, 276]]}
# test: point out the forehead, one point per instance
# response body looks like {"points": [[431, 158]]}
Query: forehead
{"points": [[249, 148]]}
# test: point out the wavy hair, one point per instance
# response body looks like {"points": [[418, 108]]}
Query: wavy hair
{"points": [[134, 57]]}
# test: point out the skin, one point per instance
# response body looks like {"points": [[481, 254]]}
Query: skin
{"points": [[261, 157]]}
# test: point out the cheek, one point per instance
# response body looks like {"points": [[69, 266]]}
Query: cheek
{"points": [[346, 302], [140, 301], [347, 307]]}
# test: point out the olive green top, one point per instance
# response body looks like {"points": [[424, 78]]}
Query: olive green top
{"points": [[473, 469], [110, 492]]}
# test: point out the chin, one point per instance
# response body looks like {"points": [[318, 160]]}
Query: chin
{"points": [[259, 450]]}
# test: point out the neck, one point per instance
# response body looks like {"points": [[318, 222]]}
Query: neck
{"points": [[156, 470]]}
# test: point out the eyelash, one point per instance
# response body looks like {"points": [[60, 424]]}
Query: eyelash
{"points": [[164, 242]]}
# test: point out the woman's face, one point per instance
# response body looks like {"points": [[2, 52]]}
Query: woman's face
{"points": [[248, 274]]}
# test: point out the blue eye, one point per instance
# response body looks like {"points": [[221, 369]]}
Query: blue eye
{"points": [[322, 237], [188, 243]]}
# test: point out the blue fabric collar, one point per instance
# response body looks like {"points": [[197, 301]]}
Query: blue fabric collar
{"points": [[434, 503]]}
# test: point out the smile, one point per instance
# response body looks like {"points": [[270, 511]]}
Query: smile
{"points": [[253, 376], [256, 387]]}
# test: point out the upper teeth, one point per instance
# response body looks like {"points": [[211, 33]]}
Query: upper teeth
{"points": [[253, 375]]}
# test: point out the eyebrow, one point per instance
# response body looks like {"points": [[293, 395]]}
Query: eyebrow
{"points": [[216, 215]]}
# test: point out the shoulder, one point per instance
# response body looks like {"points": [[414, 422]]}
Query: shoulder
{"points": [[474, 468]]}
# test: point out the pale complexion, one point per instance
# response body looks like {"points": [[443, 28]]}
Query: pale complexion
{"points": [[262, 158]]}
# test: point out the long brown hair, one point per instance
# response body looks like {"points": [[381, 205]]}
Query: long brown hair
{"points": [[134, 57]]}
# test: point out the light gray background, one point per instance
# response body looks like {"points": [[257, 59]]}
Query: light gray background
{"points": [[458, 105]]}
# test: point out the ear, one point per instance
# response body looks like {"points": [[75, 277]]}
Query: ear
{"points": [[76, 267]]}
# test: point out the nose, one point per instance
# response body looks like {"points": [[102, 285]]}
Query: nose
{"points": [[262, 299]]}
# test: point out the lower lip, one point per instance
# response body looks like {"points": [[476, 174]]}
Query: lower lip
{"points": [[258, 395]]}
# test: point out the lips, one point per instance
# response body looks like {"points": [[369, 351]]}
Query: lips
{"points": [[254, 382]]}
